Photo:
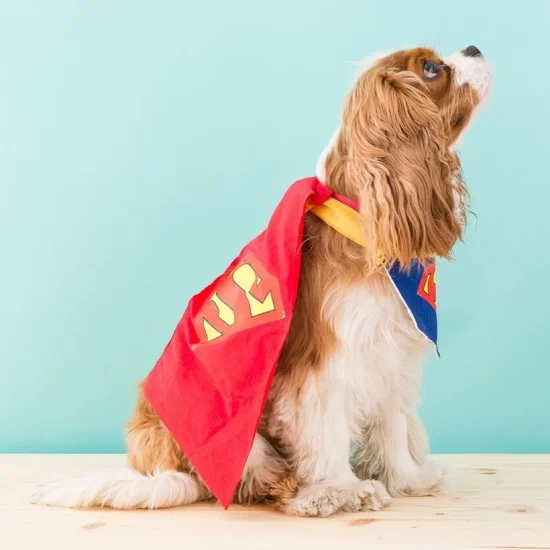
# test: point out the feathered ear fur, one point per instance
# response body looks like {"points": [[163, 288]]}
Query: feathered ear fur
{"points": [[392, 154]]}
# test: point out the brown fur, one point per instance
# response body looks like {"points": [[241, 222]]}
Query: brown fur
{"points": [[392, 154], [151, 447]]}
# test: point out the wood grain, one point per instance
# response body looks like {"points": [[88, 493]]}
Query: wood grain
{"points": [[495, 502]]}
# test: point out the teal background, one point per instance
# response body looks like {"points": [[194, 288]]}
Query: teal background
{"points": [[143, 143]]}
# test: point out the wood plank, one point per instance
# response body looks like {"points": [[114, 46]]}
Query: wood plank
{"points": [[495, 502]]}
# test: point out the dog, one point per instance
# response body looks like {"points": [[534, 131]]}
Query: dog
{"points": [[340, 430]]}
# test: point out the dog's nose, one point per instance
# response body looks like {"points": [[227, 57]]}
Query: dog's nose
{"points": [[472, 51]]}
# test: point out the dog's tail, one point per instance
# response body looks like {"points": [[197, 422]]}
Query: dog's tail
{"points": [[125, 489]]}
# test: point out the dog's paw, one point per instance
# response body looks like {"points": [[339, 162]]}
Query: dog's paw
{"points": [[315, 501], [368, 494], [430, 480]]}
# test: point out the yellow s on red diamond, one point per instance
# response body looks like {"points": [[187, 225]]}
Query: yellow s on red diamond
{"points": [[427, 286]]}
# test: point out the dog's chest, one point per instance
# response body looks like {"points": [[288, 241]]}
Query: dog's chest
{"points": [[379, 356]]}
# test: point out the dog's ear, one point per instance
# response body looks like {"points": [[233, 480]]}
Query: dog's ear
{"points": [[397, 160]]}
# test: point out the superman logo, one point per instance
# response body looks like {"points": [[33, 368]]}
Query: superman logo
{"points": [[246, 297], [427, 286]]}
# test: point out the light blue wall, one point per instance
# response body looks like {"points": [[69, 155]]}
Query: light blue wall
{"points": [[125, 125]]}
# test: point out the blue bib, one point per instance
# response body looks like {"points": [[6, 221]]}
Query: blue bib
{"points": [[417, 289]]}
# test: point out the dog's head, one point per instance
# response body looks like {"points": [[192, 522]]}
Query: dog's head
{"points": [[394, 150]]}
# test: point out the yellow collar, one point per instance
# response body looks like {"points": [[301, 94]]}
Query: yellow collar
{"points": [[340, 217], [345, 220]]}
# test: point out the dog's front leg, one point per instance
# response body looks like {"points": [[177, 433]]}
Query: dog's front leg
{"points": [[315, 429], [394, 451]]}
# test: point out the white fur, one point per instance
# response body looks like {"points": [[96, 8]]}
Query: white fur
{"points": [[124, 489], [260, 452], [262, 469], [403, 462], [476, 71], [376, 366], [128, 489]]}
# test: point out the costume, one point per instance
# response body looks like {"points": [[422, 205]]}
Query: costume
{"points": [[211, 382]]}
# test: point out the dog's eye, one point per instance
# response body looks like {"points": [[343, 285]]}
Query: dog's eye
{"points": [[459, 121], [431, 70]]}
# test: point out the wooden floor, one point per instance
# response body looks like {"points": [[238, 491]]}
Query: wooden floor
{"points": [[495, 502]]}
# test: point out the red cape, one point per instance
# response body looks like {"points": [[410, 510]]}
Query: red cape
{"points": [[211, 382]]}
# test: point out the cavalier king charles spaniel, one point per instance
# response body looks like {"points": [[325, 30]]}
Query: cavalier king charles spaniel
{"points": [[340, 431]]}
